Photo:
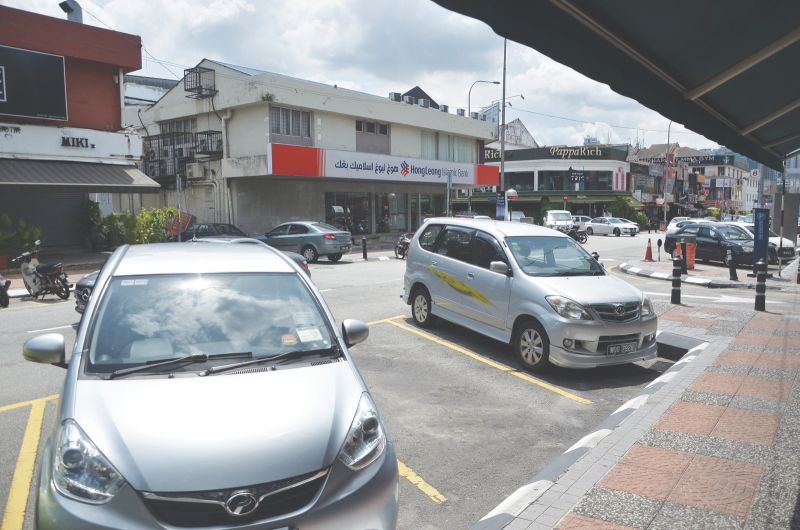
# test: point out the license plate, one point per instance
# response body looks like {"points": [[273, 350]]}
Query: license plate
{"points": [[619, 349], [787, 252]]}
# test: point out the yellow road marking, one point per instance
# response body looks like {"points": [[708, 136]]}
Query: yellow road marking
{"points": [[493, 364], [408, 474], [21, 404], [14, 516], [384, 320]]}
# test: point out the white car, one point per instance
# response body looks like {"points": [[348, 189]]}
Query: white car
{"points": [[786, 251], [607, 226], [560, 220], [581, 221], [674, 225]]}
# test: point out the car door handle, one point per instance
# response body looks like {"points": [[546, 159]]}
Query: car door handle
{"points": [[470, 276]]}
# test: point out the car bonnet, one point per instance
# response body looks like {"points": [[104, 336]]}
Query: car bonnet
{"points": [[220, 431], [588, 290]]}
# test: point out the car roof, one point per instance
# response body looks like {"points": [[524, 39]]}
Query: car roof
{"points": [[198, 257], [498, 228]]}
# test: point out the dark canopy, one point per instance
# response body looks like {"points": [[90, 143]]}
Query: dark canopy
{"points": [[729, 70]]}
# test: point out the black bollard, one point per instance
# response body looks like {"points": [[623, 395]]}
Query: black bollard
{"points": [[732, 266], [364, 248], [676, 281], [798, 274], [761, 285], [683, 256]]}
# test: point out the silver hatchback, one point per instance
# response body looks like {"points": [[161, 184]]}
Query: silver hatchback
{"points": [[531, 287], [209, 387]]}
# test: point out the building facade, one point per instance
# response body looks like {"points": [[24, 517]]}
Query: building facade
{"points": [[61, 135], [256, 149]]}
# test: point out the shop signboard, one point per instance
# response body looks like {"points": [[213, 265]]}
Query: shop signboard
{"points": [[576, 175], [356, 165], [500, 206], [32, 84]]}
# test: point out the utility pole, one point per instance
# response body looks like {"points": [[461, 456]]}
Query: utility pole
{"points": [[666, 175], [503, 136], [178, 195]]}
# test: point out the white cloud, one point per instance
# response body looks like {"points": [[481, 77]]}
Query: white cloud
{"points": [[379, 46]]}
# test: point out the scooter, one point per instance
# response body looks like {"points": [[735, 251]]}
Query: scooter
{"points": [[4, 285], [401, 247], [578, 235], [41, 280]]}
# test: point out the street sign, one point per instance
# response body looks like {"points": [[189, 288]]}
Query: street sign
{"points": [[761, 221], [566, 198], [500, 206]]}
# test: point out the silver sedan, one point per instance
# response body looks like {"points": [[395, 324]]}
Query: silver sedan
{"points": [[310, 239], [607, 226]]}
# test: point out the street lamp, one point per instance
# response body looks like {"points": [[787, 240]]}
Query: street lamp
{"points": [[469, 93]]}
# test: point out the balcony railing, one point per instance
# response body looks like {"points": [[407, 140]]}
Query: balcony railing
{"points": [[167, 154]]}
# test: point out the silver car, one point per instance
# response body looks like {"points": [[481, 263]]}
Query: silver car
{"points": [[531, 287], [607, 226], [310, 239], [209, 387]]}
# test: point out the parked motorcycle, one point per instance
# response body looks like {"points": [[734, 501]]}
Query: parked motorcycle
{"points": [[4, 285], [401, 247], [578, 235], [41, 280]]}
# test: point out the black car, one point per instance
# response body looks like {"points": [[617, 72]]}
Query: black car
{"points": [[198, 230], [83, 290], [713, 242]]}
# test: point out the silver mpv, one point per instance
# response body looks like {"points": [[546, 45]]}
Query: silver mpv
{"points": [[529, 286], [209, 387]]}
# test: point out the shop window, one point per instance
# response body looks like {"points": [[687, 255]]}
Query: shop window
{"points": [[424, 207], [370, 127], [349, 211], [359, 126], [455, 148], [551, 180], [521, 181], [428, 145], [392, 212], [290, 122], [383, 129]]}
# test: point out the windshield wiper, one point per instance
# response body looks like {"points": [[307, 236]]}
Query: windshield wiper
{"points": [[333, 350], [191, 358]]}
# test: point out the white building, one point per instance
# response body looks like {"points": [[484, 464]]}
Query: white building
{"points": [[258, 148]]}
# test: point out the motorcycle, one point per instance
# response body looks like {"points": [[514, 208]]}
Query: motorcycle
{"points": [[4, 285], [578, 235], [401, 247], [41, 280]]}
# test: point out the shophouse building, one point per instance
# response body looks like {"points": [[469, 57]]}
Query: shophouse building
{"points": [[61, 134], [256, 149]]}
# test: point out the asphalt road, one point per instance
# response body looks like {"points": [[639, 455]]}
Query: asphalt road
{"points": [[468, 427]]}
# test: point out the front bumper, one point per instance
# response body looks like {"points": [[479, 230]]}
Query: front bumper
{"points": [[348, 499], [591, 339]]}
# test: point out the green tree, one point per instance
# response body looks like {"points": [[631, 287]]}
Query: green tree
{"points": [[621, 207]]}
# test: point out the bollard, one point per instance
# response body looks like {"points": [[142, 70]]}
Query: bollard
{"points": [[364, 248], [732, 266], [798, 274], [676, 281], [683, 256], [761, 285]]}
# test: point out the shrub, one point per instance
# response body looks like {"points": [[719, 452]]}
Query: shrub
{"points": [[642, 220]]}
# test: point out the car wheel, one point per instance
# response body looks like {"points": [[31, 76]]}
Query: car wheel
{"points": [[617, 232], [334, 257], [421, 308], [531, 345], [773, 257], [589, 230], [310, 254]]}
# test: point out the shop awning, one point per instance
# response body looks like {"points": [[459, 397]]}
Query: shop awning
{"points": [[94, 178], [727, 71]]}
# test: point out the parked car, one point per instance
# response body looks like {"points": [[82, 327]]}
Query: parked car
{"points": [[778, 246], [311, 239], [211, 229], [83, 290], [673, 223], [210, 386], [297, 258], [558, 220], [528, 286], [713, 242], [672, 228], [517, 215], [581, 221], [607, 226]]}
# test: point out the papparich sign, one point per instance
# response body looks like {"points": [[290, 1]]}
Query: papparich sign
{"points": [[582, 152]]}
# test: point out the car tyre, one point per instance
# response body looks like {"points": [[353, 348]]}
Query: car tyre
{"points": [[334, 257], [589, 230], [617, 232], [531, 345], [310, 254], [421, 308]]}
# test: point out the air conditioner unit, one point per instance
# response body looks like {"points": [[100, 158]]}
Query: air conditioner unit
{"points": [[444, 108], [424, 102], [461, 112], [394, 96], [473, 115], [408, 99]]}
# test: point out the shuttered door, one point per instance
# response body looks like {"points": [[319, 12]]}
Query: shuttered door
{"points": [[57, 213]]}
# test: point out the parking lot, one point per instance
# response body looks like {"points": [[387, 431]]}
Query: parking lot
{"points": [[469, 427]]}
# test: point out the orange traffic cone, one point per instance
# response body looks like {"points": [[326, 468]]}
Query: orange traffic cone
{"points": [[648, 255]]}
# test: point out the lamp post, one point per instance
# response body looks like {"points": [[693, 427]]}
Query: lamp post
{"points": [[469, 94], [503, 134], [666, 176]]}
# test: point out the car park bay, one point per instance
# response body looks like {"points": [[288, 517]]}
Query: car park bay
{"points": [[468, 426]]}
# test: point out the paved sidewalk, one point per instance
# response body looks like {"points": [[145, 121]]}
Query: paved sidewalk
{"points": [[712, 443]]}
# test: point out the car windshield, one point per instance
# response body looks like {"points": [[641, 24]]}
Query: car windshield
{"points": [[552, 256], [560, 216], [752, 230], [733, 232], [145, 319]]}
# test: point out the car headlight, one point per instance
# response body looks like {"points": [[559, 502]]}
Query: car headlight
{"points": [[568, 308], [365, 440], [647, 306], [80, 470]]}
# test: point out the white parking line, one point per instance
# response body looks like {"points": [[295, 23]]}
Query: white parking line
{"points": [[49, 329]]}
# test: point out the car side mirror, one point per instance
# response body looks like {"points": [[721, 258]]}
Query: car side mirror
{"points": [[45, 349], [499, 267], [354, 331], [596, 256]]}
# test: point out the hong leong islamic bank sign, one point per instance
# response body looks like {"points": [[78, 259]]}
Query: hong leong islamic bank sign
{"points": [[348, 164]]}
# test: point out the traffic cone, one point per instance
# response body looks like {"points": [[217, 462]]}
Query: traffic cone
{"points": [[648, 255]]}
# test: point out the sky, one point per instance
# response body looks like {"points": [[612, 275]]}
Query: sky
{"points": [[380, 46]]}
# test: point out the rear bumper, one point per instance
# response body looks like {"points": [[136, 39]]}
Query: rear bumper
{"points": [[334, 247]]}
